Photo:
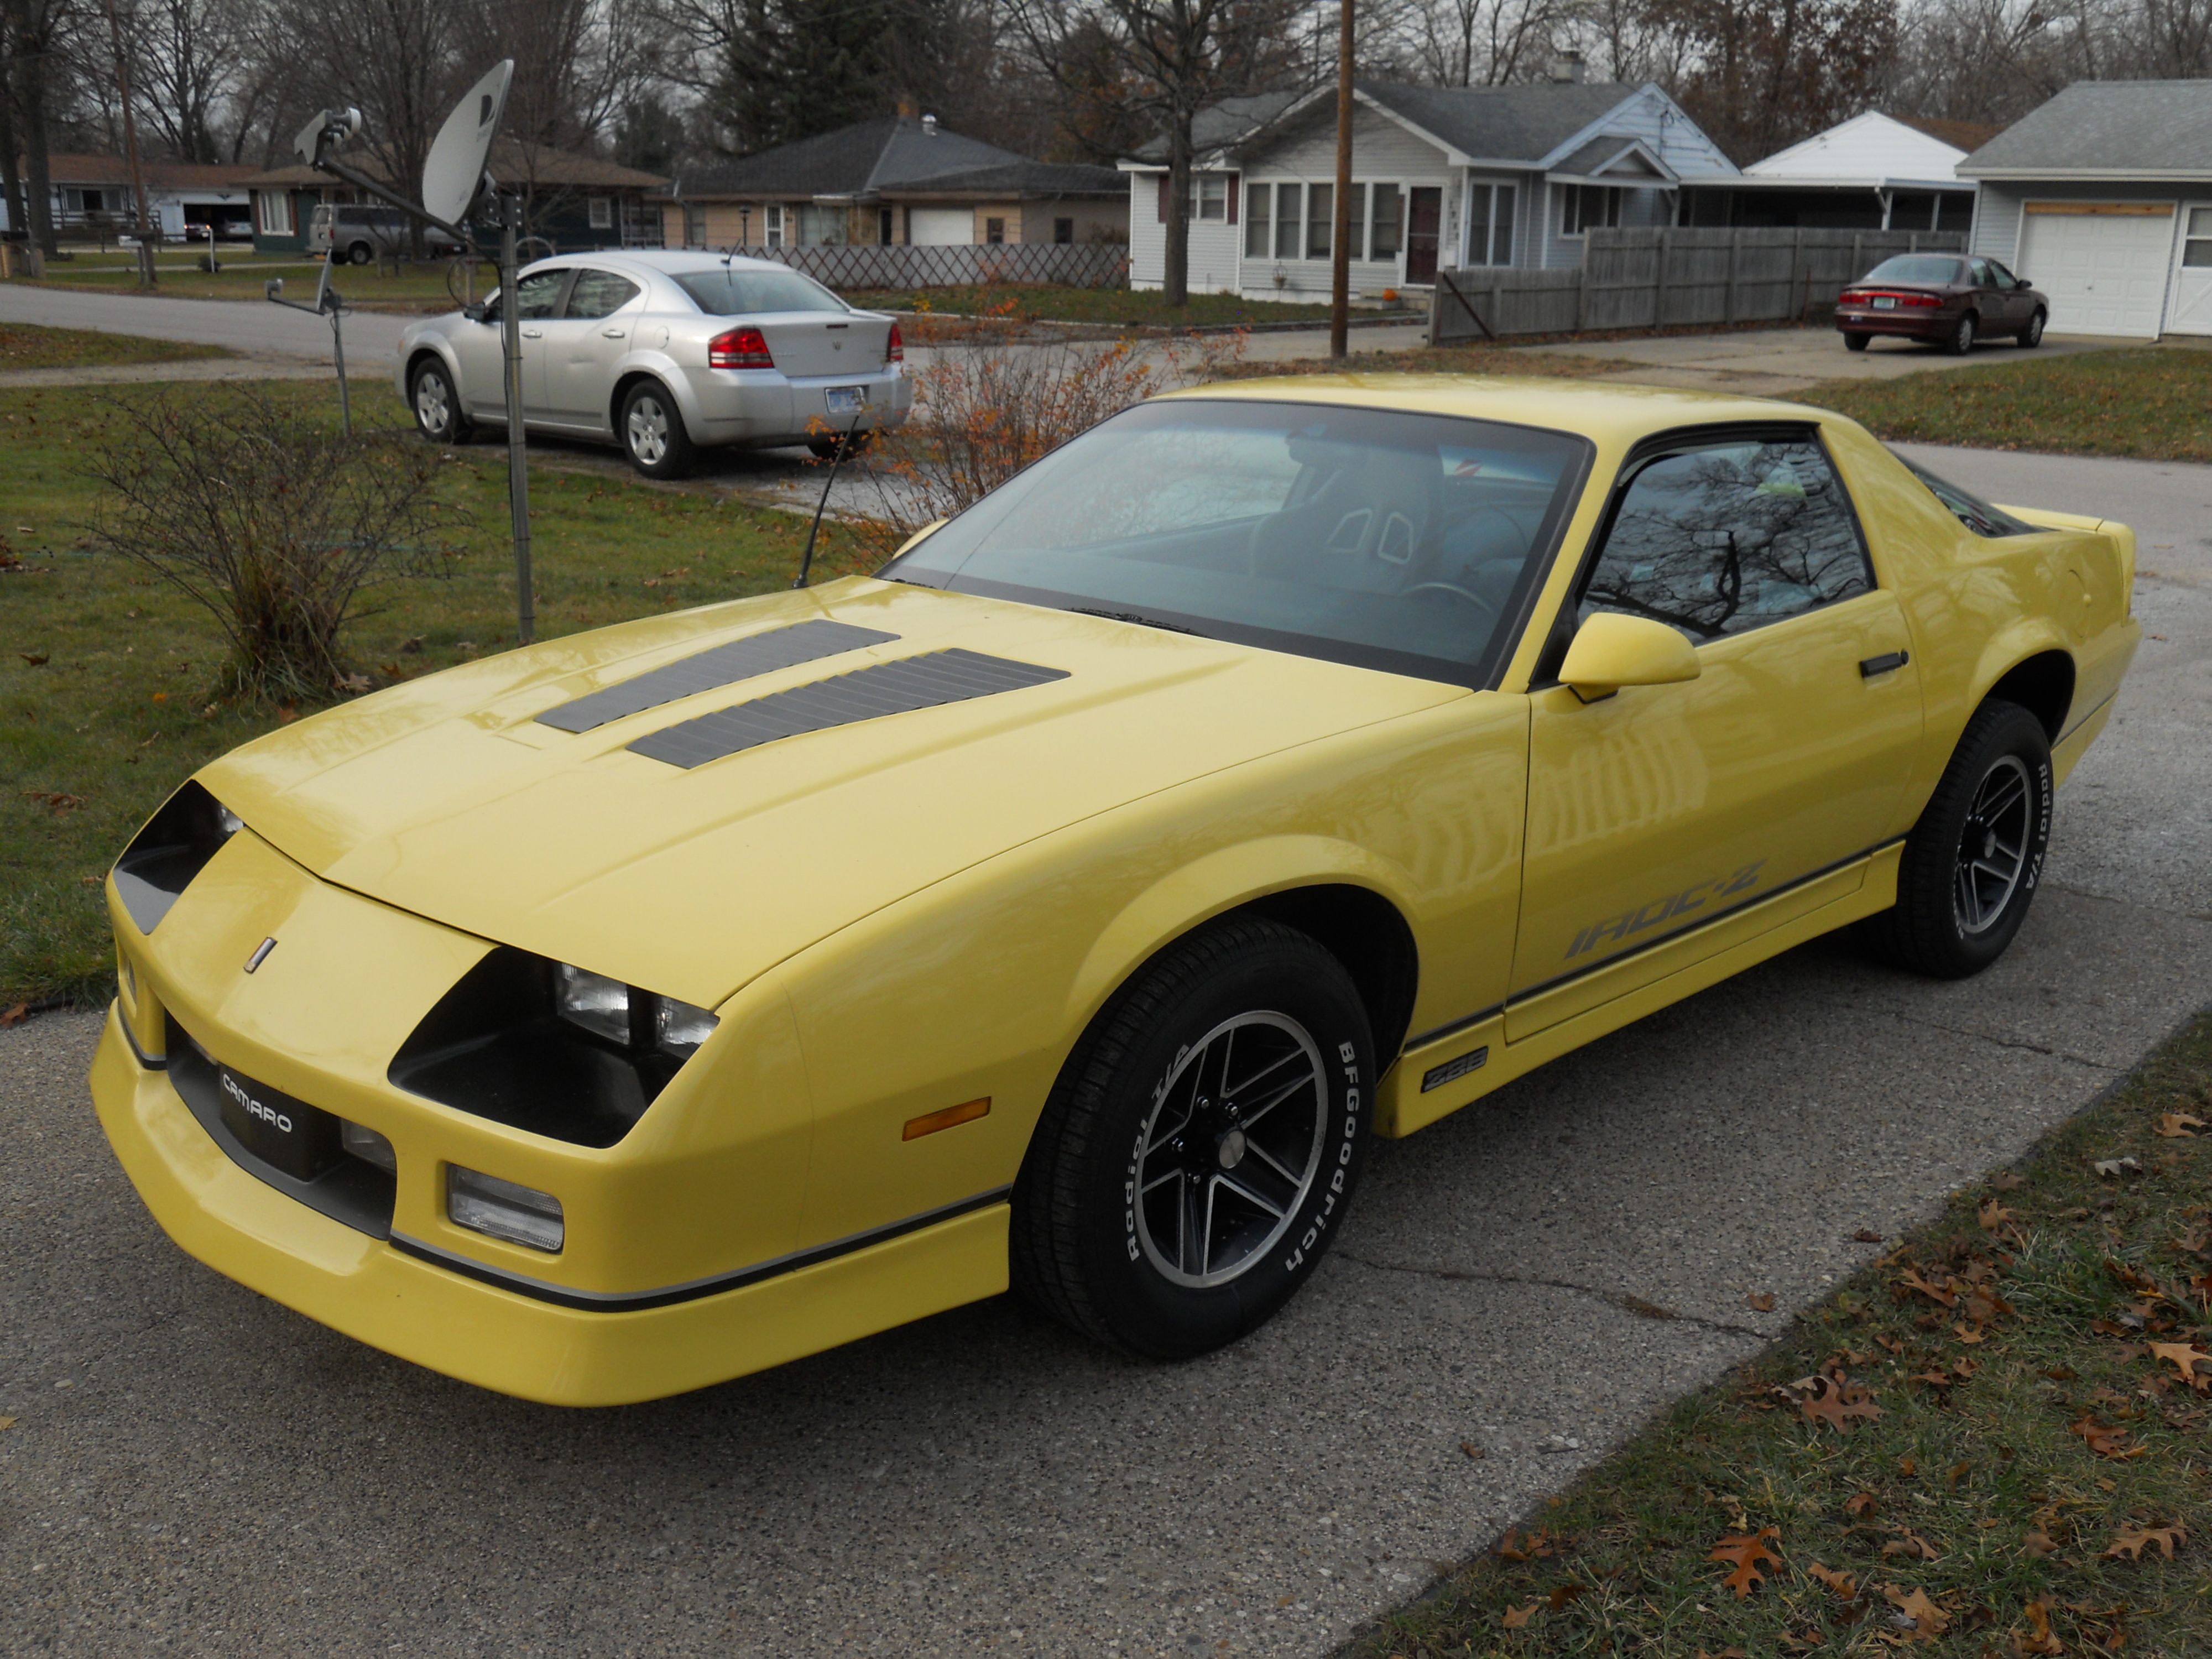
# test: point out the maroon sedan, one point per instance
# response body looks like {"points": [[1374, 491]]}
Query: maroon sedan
{"points": [[1945, 299]]}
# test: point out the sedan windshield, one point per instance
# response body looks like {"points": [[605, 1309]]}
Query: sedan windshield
{"points": [[1392, 541], [740, 291], [1932, 269]]}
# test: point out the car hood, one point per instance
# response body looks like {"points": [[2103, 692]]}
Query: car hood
{"points": [[447, 796]]}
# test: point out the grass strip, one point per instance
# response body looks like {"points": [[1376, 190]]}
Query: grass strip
{"points": [[105, 705], [2149, 403], [29, 345], [1990, 1445]]}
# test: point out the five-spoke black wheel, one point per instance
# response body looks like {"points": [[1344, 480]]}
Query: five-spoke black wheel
{"points": [[1972, 864], [1201, 1147]]}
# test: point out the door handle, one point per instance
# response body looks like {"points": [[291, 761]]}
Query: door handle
{"points": [[533, 334], [1884, 664], [612, 333]]}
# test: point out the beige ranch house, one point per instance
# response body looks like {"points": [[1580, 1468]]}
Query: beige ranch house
{"points": [[1456, 176]]}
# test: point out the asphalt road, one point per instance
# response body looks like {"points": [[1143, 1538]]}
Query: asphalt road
{"points": [[194, 1470]]}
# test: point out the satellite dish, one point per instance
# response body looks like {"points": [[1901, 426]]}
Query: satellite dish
{"points": [[455, 170]]}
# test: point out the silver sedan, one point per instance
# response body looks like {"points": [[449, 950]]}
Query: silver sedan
{"points": [[664, 354]]}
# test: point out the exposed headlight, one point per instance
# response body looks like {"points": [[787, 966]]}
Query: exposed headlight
{"points": [[623, 1014], [519, 1214], [679, 1027], [599, 1005]]}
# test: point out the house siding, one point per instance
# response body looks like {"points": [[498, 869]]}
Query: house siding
{"points": [[1382, 152], [1998, 209], [1213, 242]]}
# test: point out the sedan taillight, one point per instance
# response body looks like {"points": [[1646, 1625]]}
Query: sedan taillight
{"points": [[741, 348], [1852, 297], [895, 352]]}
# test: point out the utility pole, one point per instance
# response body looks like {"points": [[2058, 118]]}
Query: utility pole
{"points": [[130, 149], [1339, 273]]}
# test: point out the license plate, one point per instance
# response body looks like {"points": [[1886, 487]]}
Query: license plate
{"points": [[847, 399], [1885, 303], [301, 1140]]}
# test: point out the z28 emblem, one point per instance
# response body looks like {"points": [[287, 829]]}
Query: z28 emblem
{"points": [[1665, 910]]}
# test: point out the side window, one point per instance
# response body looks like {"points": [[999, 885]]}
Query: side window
{"points": [[2000, 275], [1729, 537], [599, 293], [538, 294], [1977, 272]]}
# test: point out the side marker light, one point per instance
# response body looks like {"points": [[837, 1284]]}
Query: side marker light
{"points": [[967, 1112], [502, 1209]]}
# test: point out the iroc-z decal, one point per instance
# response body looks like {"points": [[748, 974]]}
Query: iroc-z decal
{"points": [[1350, 1057], [1665, 910]]}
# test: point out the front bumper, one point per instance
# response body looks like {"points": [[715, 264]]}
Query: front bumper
{"points": [[496, 1337]]}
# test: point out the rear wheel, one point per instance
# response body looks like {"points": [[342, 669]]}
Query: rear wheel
{"points": [[2031, 336], [652, 433], [1961, 338], [1201, 1147], [361, 253], [437, 409], [1855, 341], [1972, 864]]}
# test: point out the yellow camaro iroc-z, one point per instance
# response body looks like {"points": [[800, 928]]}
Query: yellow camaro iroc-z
{"points": [[1273, 765]]}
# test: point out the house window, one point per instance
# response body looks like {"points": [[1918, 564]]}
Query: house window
{"points": [[994, 230], [1490, 225], [1588, 207], [1289, 225], [603, 213], [2196, 238], [1209, 195], [1383, 221], [276, 208], [772, 224], [695, 225], [1259, 220], [1063, 231], [1320, 204], [883, 227]]}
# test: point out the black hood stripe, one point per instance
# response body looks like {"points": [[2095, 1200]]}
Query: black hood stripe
{"points": [[740, 659], [866, 694]]}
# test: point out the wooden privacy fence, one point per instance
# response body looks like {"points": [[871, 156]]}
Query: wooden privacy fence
{"points": [[1668, 277], [1070, 264]]}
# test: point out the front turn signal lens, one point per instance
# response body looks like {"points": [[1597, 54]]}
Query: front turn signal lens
{"points": [[502, 1209]]}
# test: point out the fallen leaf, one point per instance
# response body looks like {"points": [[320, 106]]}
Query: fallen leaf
{"points": [[1960, 1472], [285, 716], [1912, 1544], [1908, 1466], [2132, 1543], [2193, 1363], [2174, 1126], [1860, 1504], [2104, 1442], [14, 1016], [1995, 1215], [2006, 1181], [36, 659], [1745, 1554], [354, 683], [1831, 1398], [2040, 1640], [2112, 1168], [1867, 1235], [54, 799], [1516, 1617], [6, 1423], [2038, 1544], [160, 696], [1970, 1337], [1761, 1301], [1563, 1594], [1841, 1582], [1922, 1617], [1535, 1547], [1470, 1448], [412, 645]]}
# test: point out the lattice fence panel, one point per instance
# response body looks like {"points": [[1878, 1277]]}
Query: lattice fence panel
{"points": [[1080, 265]]}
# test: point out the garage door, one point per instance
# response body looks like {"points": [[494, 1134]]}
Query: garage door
{"points": [[941, 226], [2102, 265]]}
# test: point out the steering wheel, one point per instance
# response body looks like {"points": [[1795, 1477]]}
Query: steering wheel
{"points": [[1456, 591]]}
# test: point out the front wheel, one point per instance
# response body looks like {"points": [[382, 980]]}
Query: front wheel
{"points": [[1961, 340], [2031, 336], [1855, 341], [1972, 864], [1201, 1147], [652, 432]]}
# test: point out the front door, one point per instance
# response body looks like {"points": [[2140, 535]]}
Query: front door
{"points": [[2190, 312], [483, 349], [1661, 807], [1424, 210], [581, 346]]}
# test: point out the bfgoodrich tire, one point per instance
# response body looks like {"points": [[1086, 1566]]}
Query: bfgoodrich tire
{"points": [[1972, 864], [1201, 1147]]}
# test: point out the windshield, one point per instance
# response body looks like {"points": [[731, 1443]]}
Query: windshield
{"points": [[1388, 540], [1932, 269], [1970, 509], [738, 290]]}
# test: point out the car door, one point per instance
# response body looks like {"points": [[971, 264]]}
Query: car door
{"points": [[582, 346], [1660, 808], [541, 292], [481, 347], [2017, 306]]}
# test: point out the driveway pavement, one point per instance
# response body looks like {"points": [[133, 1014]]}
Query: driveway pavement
{"points": [[1776, 362], [192, 1469]]}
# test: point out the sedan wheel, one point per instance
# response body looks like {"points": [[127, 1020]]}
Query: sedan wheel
{"points": [[1201, 1145], [2031, 336], [652, 433], [437, 410], [1962, 337], [1855, 341], [1970, 865]]}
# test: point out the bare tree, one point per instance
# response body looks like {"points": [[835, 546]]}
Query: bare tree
{"points": [[36, 32], [1470, 43]]}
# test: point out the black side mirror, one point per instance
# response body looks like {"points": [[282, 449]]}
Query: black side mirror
{"points": [[2021, 284], [475, 312]]}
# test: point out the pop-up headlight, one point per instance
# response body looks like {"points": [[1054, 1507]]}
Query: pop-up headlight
{"points": [[599, 1005], [175, 845]]}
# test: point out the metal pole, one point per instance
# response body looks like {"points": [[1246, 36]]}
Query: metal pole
{"points": [[1340, 272], [337, 352], [517, 477]]}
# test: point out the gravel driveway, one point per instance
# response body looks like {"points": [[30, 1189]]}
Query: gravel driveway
{"points": [[193, 1469]]}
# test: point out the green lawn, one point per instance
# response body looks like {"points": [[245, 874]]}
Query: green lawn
{"points": [[2020, 1437], [1087, 305], [105, 673], [414, 288], [25, 345], [2151, 403]]}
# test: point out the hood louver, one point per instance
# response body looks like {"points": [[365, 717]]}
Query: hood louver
{"points": [[710, 670]]}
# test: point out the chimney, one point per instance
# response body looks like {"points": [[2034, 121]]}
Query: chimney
{"points": [[1567, 65], [929, 126], [909, 110]]}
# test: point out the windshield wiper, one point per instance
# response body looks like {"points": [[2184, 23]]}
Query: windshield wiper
{"points": [[1142, 621]]}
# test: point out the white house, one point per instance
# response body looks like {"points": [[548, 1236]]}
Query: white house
{"points": [[1458, 176], [2102, 197], [185, 197], [1873, 171]]}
